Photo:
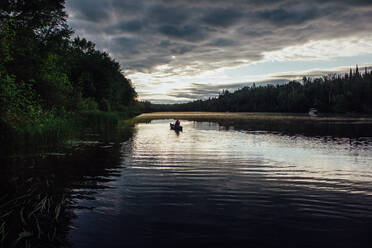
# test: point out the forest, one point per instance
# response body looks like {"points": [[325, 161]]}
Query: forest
{"points": [[350, 93], [47, 76]]}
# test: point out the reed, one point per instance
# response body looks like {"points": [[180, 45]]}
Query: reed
{"points": [[34, 217], [99, 120], [52, 131], [48, 131]]}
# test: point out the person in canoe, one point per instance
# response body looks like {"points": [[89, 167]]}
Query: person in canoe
{"points": [[176, 126], [177, 123]]}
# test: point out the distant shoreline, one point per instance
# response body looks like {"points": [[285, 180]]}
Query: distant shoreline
{"points": [[252, 116]]}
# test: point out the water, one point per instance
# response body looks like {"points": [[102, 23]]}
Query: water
{"points": [[216, 186], [208, 186]]}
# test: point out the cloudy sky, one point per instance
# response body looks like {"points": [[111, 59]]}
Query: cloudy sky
{"points": [[181, 50]]}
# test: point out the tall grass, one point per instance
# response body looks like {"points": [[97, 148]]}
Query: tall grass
{"points": [[48, 131], [99, 120], [51, 130], [32, 213]]}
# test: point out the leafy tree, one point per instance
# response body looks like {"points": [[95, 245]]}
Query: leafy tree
{"points": [[54, 85], [43, 72]]}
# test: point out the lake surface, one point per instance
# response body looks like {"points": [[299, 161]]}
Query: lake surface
{"points": [[212, 185], [215, 186]]}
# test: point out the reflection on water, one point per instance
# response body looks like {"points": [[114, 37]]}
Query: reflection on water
{"points": [[38, 191], [213, 185]]}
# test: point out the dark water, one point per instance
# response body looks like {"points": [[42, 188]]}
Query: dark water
{"points": [[214, 186], [209, 186]]}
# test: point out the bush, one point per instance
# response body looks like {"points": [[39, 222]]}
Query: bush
{"points": [[87, 104], [99, 120], [105, 105]]}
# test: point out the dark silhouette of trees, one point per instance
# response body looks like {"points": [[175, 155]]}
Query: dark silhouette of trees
{"points": [[97, 77], [43, 70], [329, 94]]}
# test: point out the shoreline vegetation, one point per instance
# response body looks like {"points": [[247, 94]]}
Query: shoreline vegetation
{"points": [[50, 134], [209, 116], [324, 126], [53, 85]]}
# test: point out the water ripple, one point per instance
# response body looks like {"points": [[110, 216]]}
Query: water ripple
{"points": [[232, 187]]}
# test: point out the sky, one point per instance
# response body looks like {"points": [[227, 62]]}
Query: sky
{"points": [[183, 50]]}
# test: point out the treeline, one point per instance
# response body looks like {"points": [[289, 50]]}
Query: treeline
{"points": [[351, 93], [45, 74]]}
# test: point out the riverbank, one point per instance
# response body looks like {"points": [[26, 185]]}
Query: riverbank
{"points": [[287, 123], [205, 116], [52, 131]]}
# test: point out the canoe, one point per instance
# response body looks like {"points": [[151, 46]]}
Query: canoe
{"points": [[174, 127]]}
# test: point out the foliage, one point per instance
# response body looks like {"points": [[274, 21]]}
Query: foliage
{"points": [[99, 120], [45, 76], [54, 85], [99, 77]]}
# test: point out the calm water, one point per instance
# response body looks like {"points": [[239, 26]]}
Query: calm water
{"points": [[212, 186]]}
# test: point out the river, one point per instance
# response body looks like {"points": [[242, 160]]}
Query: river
{"points": [[218, 186]]}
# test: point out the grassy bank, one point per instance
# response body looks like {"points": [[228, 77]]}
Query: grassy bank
{"points": [[247, 116], [44, 132], [291, 124], [51, 131]]}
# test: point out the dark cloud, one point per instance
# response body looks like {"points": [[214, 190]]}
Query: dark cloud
{"points": [[187, 32], [164, 14], [222, 17], [285, 17], [181, 49], [222, 42], [94, 11], [124, 8], [192, 36], [126, 26], [125, 45]]}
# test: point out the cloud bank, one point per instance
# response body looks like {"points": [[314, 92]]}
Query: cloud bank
{"points": [[194, 36]]}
